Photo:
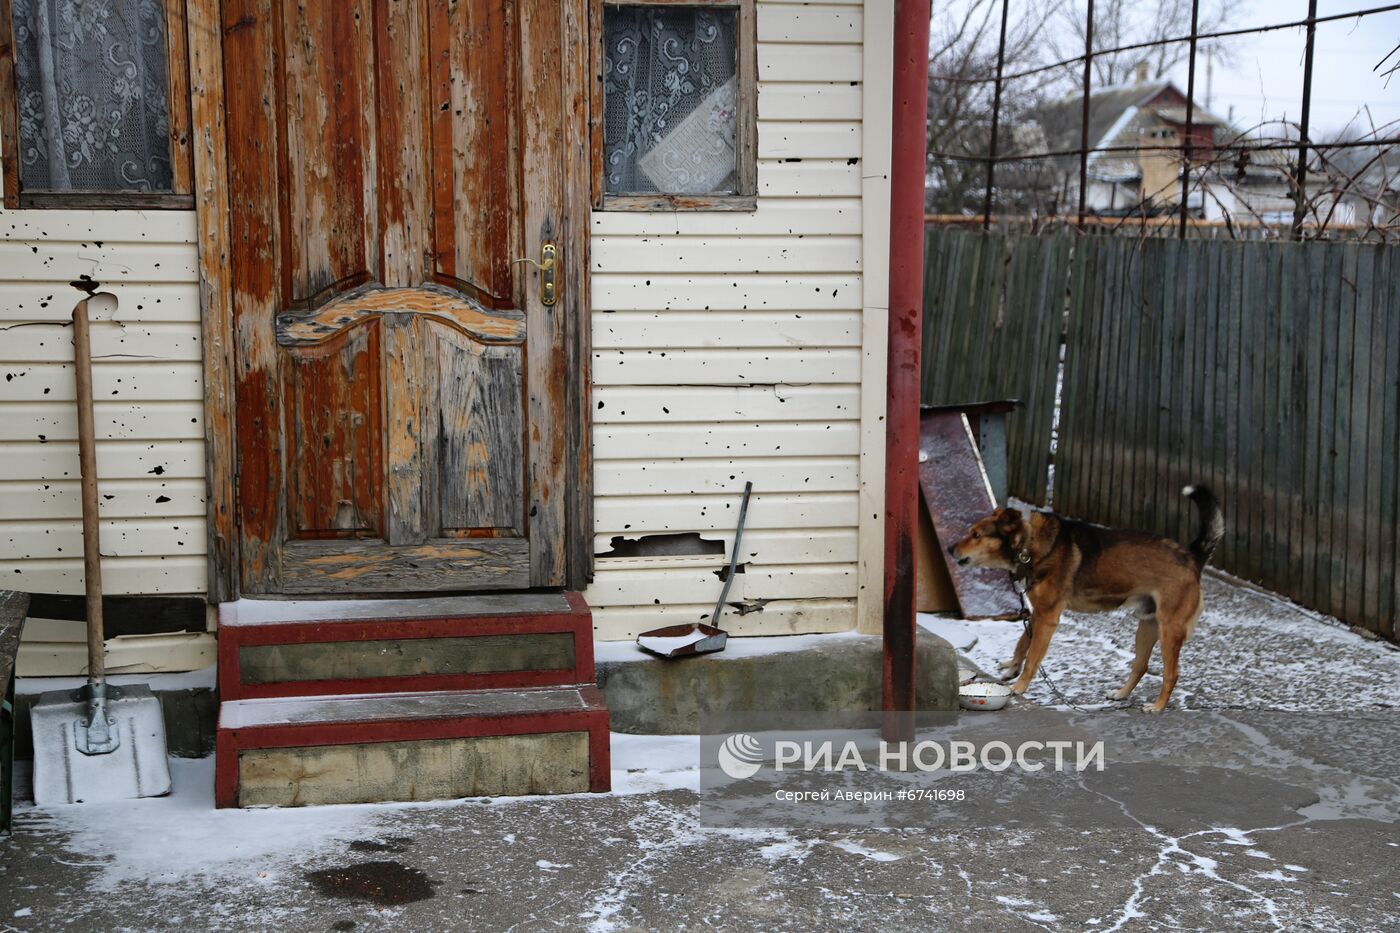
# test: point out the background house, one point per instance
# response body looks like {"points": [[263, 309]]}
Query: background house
{"points": [[1137, 131]]}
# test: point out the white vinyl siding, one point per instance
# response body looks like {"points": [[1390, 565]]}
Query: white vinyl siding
{"points": [[148, 411], [727, 346], [147, 397]]}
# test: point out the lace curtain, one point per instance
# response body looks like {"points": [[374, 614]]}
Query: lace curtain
{"points": [[669, 100], [92, 95]]}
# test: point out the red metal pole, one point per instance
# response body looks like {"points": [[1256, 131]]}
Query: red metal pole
{"points": [[908, 144]]}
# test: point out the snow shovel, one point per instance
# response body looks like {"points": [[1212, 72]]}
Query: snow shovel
{"points": [[99, 742], [684, 640]]}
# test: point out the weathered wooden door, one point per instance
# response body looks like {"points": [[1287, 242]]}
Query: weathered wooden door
{"points": [[399, 376]]}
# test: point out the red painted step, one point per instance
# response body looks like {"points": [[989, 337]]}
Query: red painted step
{"points": [[285, 648], [411, 746]]}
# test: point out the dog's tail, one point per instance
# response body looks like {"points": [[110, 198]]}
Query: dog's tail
{"points": [[1212, 527]]}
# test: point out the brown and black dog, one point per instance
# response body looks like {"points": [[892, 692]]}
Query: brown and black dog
{"points": [[1088, 568]]}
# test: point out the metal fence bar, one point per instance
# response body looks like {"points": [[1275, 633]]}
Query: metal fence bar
{"points": [[1084, 111], [1190, 119], [1300, 193], [1229, 147], [996, 118]]}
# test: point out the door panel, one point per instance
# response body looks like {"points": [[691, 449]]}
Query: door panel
{"points": [[331, 404], [475, 237], [399, 384], [481, 466], [329, 177]]}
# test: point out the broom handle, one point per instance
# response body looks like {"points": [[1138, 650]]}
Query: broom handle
{"points": [[87, 460]]}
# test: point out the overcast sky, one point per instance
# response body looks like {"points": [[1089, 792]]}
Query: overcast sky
{"points": [[1260, 76], [1264, 78]]}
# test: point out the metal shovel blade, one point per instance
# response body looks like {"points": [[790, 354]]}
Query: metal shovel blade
{"points": [[68, 764], [682, 641]]}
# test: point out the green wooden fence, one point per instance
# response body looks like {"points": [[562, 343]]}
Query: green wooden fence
{"points": [[1268, 370], [993, 311]]}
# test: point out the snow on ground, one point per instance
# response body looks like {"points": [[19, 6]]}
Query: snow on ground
{"points": [[1250, 649], [167, 838]]}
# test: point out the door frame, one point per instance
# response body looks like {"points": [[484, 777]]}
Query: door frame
{"points": [[214, 237]]}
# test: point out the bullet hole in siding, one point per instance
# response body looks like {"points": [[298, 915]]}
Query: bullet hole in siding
{"points": [[157, 471], [162, 499], [852, 161], [723, 572], [663, 545], [534, 510], [106, 495]]}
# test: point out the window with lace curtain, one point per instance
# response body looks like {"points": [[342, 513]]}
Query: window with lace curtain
{"points": [[677, 105], [92, 119]]}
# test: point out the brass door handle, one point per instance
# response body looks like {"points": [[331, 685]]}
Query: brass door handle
{"points": [[548, 265]]}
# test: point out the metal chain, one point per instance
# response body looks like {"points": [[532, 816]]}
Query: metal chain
{"points": [[1020, 582]]}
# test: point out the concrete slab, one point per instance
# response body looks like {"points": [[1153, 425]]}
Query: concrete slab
{"points": [[650, 695]]}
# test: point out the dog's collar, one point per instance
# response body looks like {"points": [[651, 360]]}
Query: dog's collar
{"points": [[1021, 570]]}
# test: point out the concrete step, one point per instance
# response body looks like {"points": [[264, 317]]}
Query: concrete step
{"points": [[282, 648], [802, 673], [302, 751]]}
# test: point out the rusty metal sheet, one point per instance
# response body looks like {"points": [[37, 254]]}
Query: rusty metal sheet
{"points": [[956, 494]]}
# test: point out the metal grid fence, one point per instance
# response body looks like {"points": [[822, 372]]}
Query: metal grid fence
{"points": [[1304, 148]]}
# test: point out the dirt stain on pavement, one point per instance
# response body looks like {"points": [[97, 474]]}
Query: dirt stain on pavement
{"points": [[388, 883], [388, 844]]}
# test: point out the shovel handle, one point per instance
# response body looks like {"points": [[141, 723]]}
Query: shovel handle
{"points": [[87, 462]]}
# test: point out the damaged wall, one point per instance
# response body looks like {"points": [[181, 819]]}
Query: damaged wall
{"points": [[149, 414], [728, 347]]}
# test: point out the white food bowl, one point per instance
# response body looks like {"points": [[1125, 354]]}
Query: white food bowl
{"points": [[984, 696]]}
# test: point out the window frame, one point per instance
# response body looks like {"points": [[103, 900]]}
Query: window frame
{"points": [[746, 119], [177, 96]]}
